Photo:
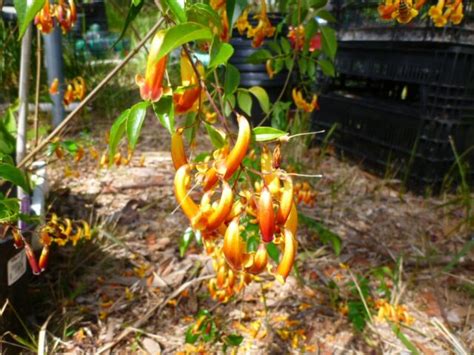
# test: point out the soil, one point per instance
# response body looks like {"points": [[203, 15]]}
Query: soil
{"points": [[128, 290]]}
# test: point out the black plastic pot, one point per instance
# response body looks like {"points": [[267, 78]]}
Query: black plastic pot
{"points": [[256, 74], [14, 275]]}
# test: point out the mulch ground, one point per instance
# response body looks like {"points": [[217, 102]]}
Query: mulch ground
{"points": [[128, 290]]}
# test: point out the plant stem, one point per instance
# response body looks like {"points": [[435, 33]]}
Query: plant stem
{"points": [[89, 97], [38, 78]]}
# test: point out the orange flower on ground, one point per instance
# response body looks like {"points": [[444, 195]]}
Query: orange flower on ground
{"points": [[151, 86], [393, 313], [75, 91], [187, 100], [44, 18], [302, 104]]}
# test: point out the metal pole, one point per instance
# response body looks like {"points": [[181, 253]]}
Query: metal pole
{"points": [[24, 86], [53, 58]]}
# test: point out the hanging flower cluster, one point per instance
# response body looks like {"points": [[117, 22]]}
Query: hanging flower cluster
{"points": [[58, 231], [302, 104], [445, 12], [65, 14], [224, 223], [76, 90], [151, 86], [297, 37], [186, 97], [219, 6], [263, 29]]}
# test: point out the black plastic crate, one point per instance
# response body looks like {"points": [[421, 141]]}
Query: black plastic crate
{"points": [[445, 66], [386, 135]]}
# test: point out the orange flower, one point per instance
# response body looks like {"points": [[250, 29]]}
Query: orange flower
{"points": [[188, 99], [75, 90], [269, 68], [458, 13], [54, 87], [66, 15], [302, 104], [387, 9], [242, 23], [264, 27], [79, 85], [405, 11], [436, 11], [44, 19], [151, 86], [296, 35], [68, 95]]}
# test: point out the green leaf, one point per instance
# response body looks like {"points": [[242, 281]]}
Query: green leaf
{"points": [[285, 45], [310, 29], [317, 4], [230, 8], [245, 102], [116, 133], [9, 210], [185, 241], [177, 10], [164, 111], [220, 53], [311, 69], [264, 134], [14, 175], [233, 339], [302, 65], [217, 138], [135, 122], [190, 132], [278, 65], [325, 15], [232, 79], [204, 15], [327, 67], [229, 104], [325, 235], [133, 11], [329, 41], [259, 56], [274, 46], [252, 244], [279, 115], [26, 11], [70, 146], [409, 345], [190, 337], [183, 33], [262, 97], [273, 252], [357, 314]]}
